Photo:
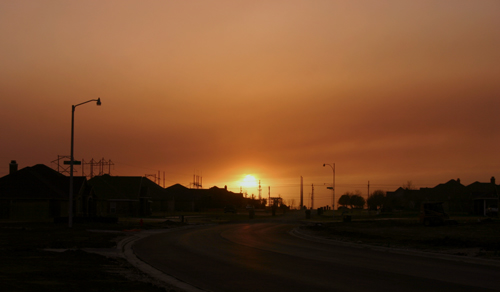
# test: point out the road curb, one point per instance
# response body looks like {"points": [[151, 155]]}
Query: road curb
{"points": [[125, 249], [297, 233]]}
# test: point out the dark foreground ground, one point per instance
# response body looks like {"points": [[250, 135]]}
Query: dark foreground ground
{"points": [[26, 265]]}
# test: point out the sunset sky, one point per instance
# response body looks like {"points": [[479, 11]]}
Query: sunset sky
{"points": [[389, 91]]}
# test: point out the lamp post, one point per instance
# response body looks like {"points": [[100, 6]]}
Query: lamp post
{"points": [[72, 160], [333, 187]]}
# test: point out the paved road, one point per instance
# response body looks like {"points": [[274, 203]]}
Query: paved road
{"points": [[265, 257]]}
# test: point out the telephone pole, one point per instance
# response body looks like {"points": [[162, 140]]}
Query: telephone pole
{"points": [[269, 195], [260, 191], [368, 190], [301, 192], [312, 197]]}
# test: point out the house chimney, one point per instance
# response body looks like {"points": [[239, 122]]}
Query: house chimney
{"points": [[12, 167], [492, 180]]}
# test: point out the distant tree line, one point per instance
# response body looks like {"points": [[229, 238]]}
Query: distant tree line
{"points": [[354, 200]]}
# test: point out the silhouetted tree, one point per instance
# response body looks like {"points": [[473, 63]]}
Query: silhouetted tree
{"points": [[357, 201], [409, 186], [345, 199], [376, 200]]}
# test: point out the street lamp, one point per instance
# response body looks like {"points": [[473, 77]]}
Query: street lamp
{"points": [[72, 159], [333, 187]]}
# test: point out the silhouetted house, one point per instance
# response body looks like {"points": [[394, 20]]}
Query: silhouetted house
{"points": [[130, 196], [39, 192], [400, 199], [193, 200], [450, 192], [453, 193], [185, 198], [216, 198], [476, 198], [484, 196]]}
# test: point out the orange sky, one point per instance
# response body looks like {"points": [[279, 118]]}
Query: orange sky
{"points": [[391, 91]]}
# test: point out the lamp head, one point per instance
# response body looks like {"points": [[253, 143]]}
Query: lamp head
{"points": [[324, 164], [98, 101]]}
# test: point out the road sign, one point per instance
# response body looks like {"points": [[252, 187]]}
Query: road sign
{"points": [[330, 188]]}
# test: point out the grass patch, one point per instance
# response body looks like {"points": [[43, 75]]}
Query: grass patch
{"points": [[482, 237]]}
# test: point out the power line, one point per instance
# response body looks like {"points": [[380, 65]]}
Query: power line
{"points": [[151, 169]]}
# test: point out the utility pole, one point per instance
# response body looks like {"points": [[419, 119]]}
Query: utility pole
{"points": [[92, 164], [269, 195], [109, 166], [368, 189], [312, 197], [301, 192], [101, 166], [260, 191]]}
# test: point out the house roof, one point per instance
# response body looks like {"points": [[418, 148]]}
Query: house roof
{"points": [[182, 193], [176, 187], [483, 190], [38, 182], [451, 183], [126, 187], [450, 187], [453, 189]]}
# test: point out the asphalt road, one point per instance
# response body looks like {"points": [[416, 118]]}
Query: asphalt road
{"points": [[265, 257]]}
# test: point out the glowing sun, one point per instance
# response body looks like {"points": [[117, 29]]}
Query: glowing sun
{"points": [[249, 181]]}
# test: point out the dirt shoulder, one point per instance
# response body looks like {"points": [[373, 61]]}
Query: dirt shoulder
{"points": [[471, 238]]}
